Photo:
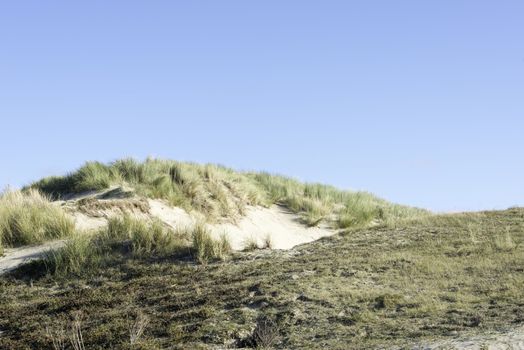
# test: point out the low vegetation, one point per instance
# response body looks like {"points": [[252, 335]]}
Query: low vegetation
{"points": [[376, 287], [29, 217]]}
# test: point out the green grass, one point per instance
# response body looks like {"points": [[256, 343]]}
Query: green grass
{"points": [[317, 202], [376, 287], [129, 237], [219, 192], [212, 190], [84, 253], [206, 248], [29, 217], [79, 257]]}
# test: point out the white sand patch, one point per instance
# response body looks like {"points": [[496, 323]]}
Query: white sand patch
{"points": [[513, 339], [283, 228], [175, 217], [14, 257], [87, 223]]}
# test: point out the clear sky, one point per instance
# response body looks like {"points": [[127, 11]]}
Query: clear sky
{"points": [[420, 102]]}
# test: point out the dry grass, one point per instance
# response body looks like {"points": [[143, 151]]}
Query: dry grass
{"points": [[265, 335], [95, 207], [137, 329], [250, 244]]}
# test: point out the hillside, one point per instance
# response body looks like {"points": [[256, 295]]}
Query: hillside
{"points": [[244, 205], [148, 256]]}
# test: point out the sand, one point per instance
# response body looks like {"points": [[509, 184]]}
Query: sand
{"points": [[175, 217], [15, 257], [513, 339], [282, 227], [87, 223]]}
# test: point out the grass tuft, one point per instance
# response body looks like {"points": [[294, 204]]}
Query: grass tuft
{"points": [[206, 248], [79, 256], [29, 217], [250, 244], [83, 253]]}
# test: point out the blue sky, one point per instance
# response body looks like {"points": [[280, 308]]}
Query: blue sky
{"points": [[420, 102]]}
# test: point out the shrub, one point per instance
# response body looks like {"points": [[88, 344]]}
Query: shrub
{"points": [[268, 242], [266, 334]]}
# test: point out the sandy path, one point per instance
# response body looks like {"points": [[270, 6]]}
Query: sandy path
{"points": [[15, 257], [511, 340]]}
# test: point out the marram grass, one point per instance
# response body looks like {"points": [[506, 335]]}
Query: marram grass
{"points": [[131, 237], [219, 192], [29, 217]]}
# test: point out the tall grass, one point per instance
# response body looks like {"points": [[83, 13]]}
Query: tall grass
{"points": [[29, 217], [79, 256], [146, 238], [125, 234], [213, 190], [128, 236], [206, 248], [317, 202], [217, 192]]}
